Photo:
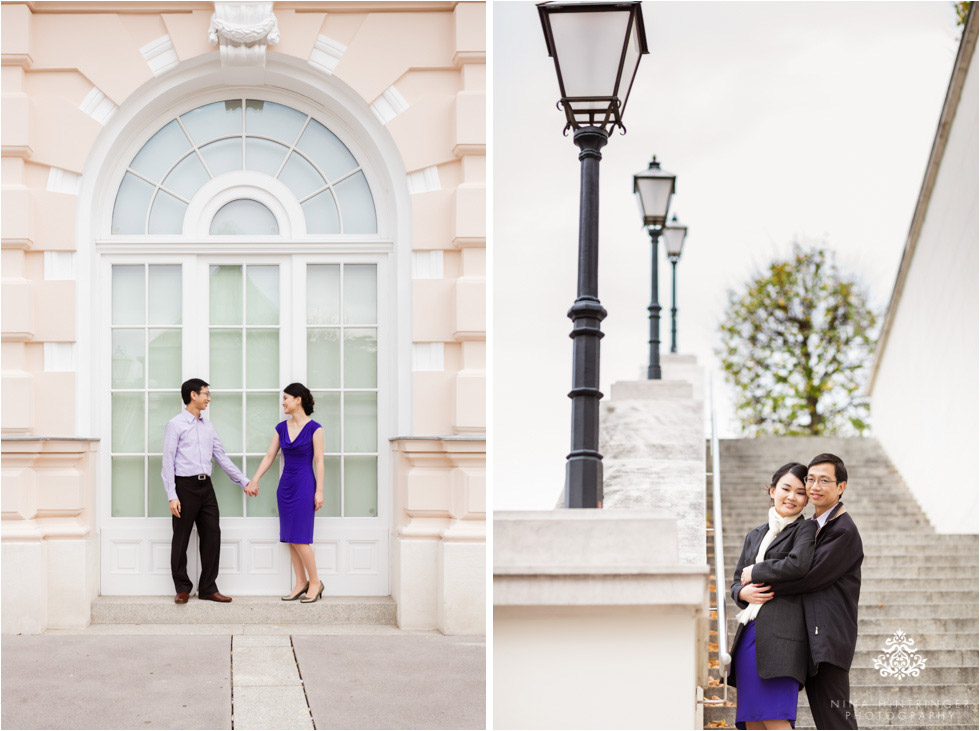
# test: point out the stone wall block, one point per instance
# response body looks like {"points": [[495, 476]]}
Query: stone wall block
{"points": [[471, 215], [432, 310], [17, 403], [471, 121], [433, 396], [427, 492], [17, 223], [17, 315], [15, 31], [471, 402], [60, 491], [470, 308], [54, 308], [18, 498], [15, 113]]}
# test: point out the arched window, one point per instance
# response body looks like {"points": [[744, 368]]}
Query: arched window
{"points": [[227, 137]]}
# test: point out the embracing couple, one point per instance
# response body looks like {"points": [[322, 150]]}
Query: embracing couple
{"points": [[797, 583], [189, 444]]}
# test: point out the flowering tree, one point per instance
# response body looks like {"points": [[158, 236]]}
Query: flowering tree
{"points": [[796, 345]]}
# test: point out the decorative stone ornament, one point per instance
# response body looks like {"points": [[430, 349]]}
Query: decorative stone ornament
{"points": [[242, 31]]}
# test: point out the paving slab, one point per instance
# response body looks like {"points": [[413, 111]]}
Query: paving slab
{"points": [[264, 666], [119, 682], [243, 640], [394, 682], [272, 707]]}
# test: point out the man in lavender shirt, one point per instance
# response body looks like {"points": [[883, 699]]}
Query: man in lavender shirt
{"points": [[188, 446]]}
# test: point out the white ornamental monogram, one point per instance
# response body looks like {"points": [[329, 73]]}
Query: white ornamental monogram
{"points": [[899, 659]]}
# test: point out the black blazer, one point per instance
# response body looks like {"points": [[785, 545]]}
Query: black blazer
{"points": [[780, 632], [830, 590]]}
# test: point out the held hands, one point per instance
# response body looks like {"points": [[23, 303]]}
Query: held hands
{"points": [[747, 575], [755, 594], [175, 507], [318, 500], [252, 488]]}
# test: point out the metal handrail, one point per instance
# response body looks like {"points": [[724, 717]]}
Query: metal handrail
{"points": [[724, 659]]}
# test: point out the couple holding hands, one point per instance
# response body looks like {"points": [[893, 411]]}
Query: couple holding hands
{"points": [[797, 583], [189, 444]]}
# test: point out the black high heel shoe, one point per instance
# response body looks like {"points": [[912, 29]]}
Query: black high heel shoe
{"points": [[310, 600], [297, 595]]}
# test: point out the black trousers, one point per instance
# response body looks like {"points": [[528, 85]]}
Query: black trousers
{"points": [[198, 505], [829, 694]]}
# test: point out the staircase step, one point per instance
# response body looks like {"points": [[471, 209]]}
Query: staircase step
{"points": [[894, 716], [911, 626], [243, 610], [934, 673]]}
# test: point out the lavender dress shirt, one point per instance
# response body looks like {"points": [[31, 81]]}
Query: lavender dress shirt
{"points": [[189, 443]]}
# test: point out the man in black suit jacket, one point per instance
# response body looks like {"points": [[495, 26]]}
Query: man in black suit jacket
{"points": [[830, 592]]}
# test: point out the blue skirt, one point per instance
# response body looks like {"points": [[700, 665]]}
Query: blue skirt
{"points": [[760, 699]]}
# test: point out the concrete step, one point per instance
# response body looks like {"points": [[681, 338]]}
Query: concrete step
{"points": [[933, 674], [898, 715], [902, 597], [924, 642], [910, 625], [243, 610]]}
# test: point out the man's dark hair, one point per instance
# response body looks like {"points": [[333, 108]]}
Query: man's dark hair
{"points": [[192, 385], [840, 471]]}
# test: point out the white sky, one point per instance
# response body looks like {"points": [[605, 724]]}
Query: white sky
{"points": [[781, 120]]}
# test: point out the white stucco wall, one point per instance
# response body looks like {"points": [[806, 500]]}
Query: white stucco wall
{"points": [[924, 402]]}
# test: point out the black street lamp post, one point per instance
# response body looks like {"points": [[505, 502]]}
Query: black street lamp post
{"points": [[674, 235], [597, 49], [654, 188]]}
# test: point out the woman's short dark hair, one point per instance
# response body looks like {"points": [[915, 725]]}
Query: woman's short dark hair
{"points": [[840, 471], [298, 390], [798, 470], [192, 385]]}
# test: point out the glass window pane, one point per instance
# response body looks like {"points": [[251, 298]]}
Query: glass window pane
{"points": [[300, 177], [165, 294], [214, 120], [272, 120], [159, 505], [163, 407], [127, 295], [360, 422], [261, 417], [361, 358], [226, 295], [230, 495], [223, 156], [244, 217], [226, 359], [326, 151], [263, 505], [262, 359], [323, 357], [331, 488], [327, 415], [263, 155], [357, 205], [160, 152], [226, 415], [360, 487], [167, 214], [127, 487], [129, 210], [323, 294], [187, 178], [360, 294], [165, 359], [262, 295], [321, 214], [127, 358], [128, 423]]}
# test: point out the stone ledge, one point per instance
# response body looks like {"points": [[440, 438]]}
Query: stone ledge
{"points": [[684, 586]]}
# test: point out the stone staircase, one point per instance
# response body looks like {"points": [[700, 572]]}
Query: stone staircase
{"points": [[243, 610], [913, 579]]}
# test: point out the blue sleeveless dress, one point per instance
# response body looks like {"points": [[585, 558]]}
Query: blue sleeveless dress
{"points": [[297, 484]]}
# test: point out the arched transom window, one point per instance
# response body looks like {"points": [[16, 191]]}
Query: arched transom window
{"points": [[226, 138]]}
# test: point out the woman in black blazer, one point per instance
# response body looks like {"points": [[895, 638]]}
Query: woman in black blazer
{"points": [[770, 655]]}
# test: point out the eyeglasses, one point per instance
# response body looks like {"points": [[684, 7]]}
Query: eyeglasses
{"points": [[823, 481]]}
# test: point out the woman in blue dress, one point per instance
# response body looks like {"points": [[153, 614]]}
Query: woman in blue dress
{"points": [[300, 492], [770, 652]]}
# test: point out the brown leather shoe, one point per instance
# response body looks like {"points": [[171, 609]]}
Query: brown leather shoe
{"points": [[216, 597], [182, 597]]}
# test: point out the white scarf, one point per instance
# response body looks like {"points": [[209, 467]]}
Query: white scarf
{"points": [[776, 524]]}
